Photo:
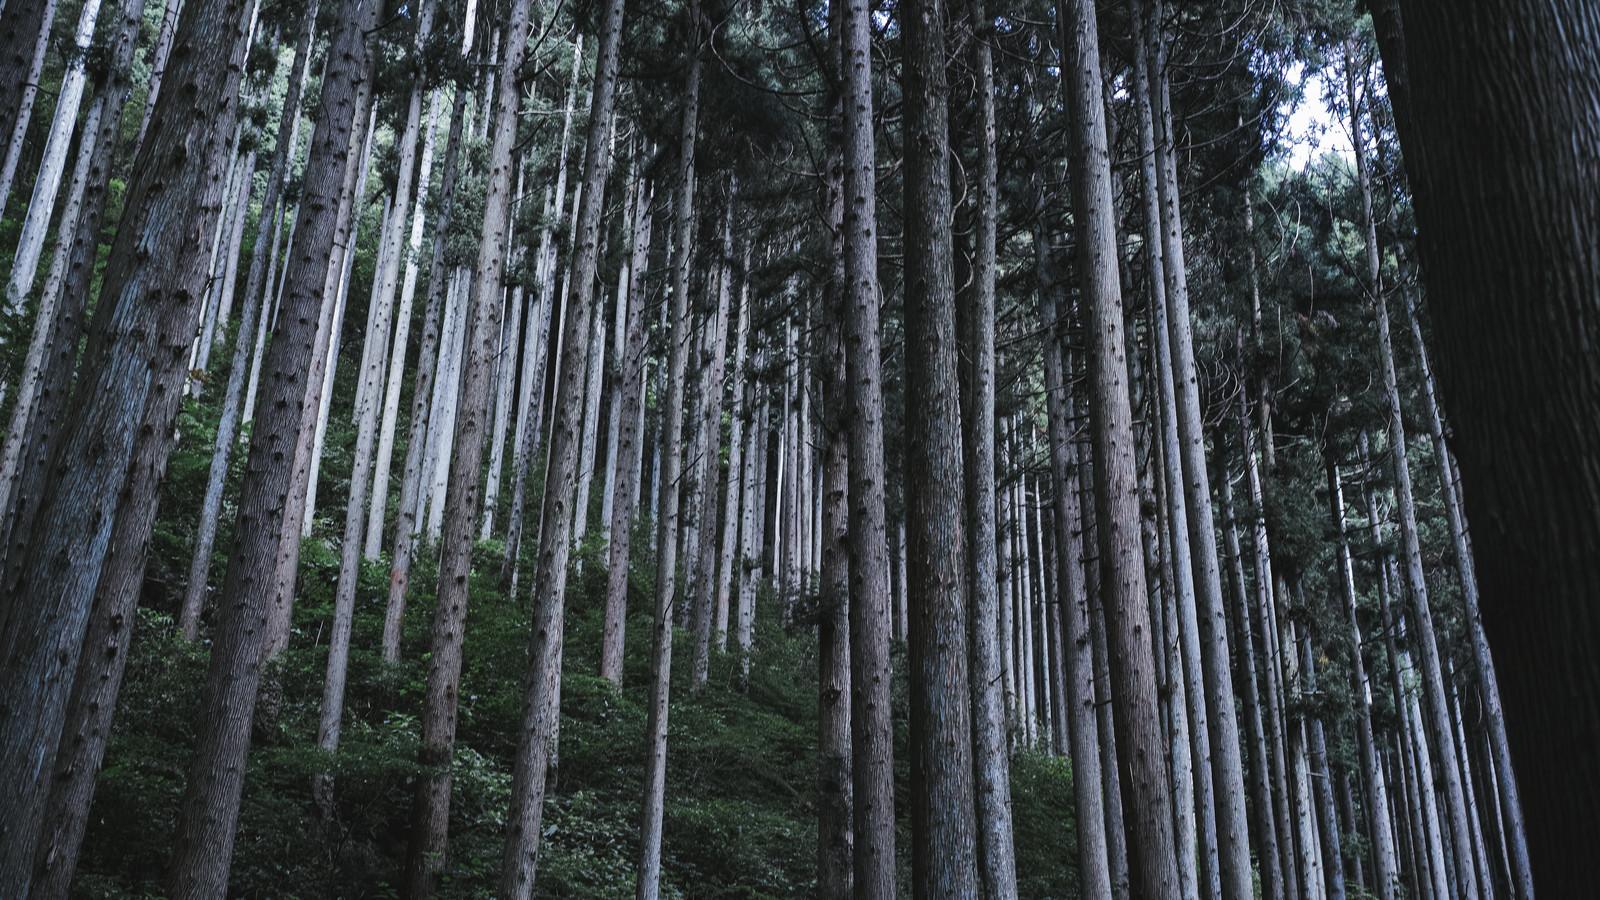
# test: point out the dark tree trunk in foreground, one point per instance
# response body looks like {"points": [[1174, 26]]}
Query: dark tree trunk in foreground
{"points": [[1153, 856], [116, 442], [976, 321], [942, 816], [871, 731], [203, 846], [1501, 126]]}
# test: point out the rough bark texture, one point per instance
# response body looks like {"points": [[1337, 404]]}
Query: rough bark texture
{"points": [[976, 318], [407, 517], [655, 770], [871, 727], [1501, 125], [129, 388], [254, 309], [27, 35], [99, 675], [943, 827], [203, 845], [1083, 729], [630, 440], [834, 836], [1152, 851]]}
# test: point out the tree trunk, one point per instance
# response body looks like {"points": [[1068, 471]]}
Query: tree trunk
{"points": [[542, 700], [27, 20], [252, 316], [252, 595], [99, 676], [834, 787], [655, 770], [47, 183], [705, 563], [729, 566], [1116, 498], [942, 806], [1094, 870], [119, 429], [431, 801], [407, 518], [158, 66], [1266, 830], [1501, 179], [531, 430], [630, 440], [1322, 776], [1494, 714], [1380, 841], [379, 502], [975, 321]]}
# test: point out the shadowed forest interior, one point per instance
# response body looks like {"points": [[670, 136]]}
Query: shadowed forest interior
{"points": [[713, 449]]}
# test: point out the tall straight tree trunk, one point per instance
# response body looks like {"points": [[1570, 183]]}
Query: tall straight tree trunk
{"points": [[871, 620], [594, 378], [54, 320], [943, 826], [1122, 581], [158, 66], [26, 28], [1192, 783], [1231, 853], [655, 769], [47, 182], [1110, 774], [542, 700], [254, 311], [252, 594], [975, 319], [431, 802], [705, 563], [1380, 841], [1094, 869], [407, 519], [728, 566], [99, 675], [1515, 833], [1322, 778], [1505, 193], [119, 430], [1272, 666], [1266, 830], [371, 380], [834, 836], [630, 440], [379, 502], [1428, 648], [530, 426]]}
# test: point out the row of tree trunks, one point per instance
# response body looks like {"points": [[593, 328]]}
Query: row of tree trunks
{"points": [[118, 435]]}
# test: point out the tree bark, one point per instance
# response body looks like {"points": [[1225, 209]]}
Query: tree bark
{"points": [[407, 518], [655, 770], [1122, 581], [254, 310], [975, 320], [27, 20], [630, 441], [1498, 124], [1094, 869], [120, 430], [203, 845], [942, 806]]}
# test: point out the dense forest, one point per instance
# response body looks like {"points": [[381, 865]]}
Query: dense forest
{"points": [[737, 449]]}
